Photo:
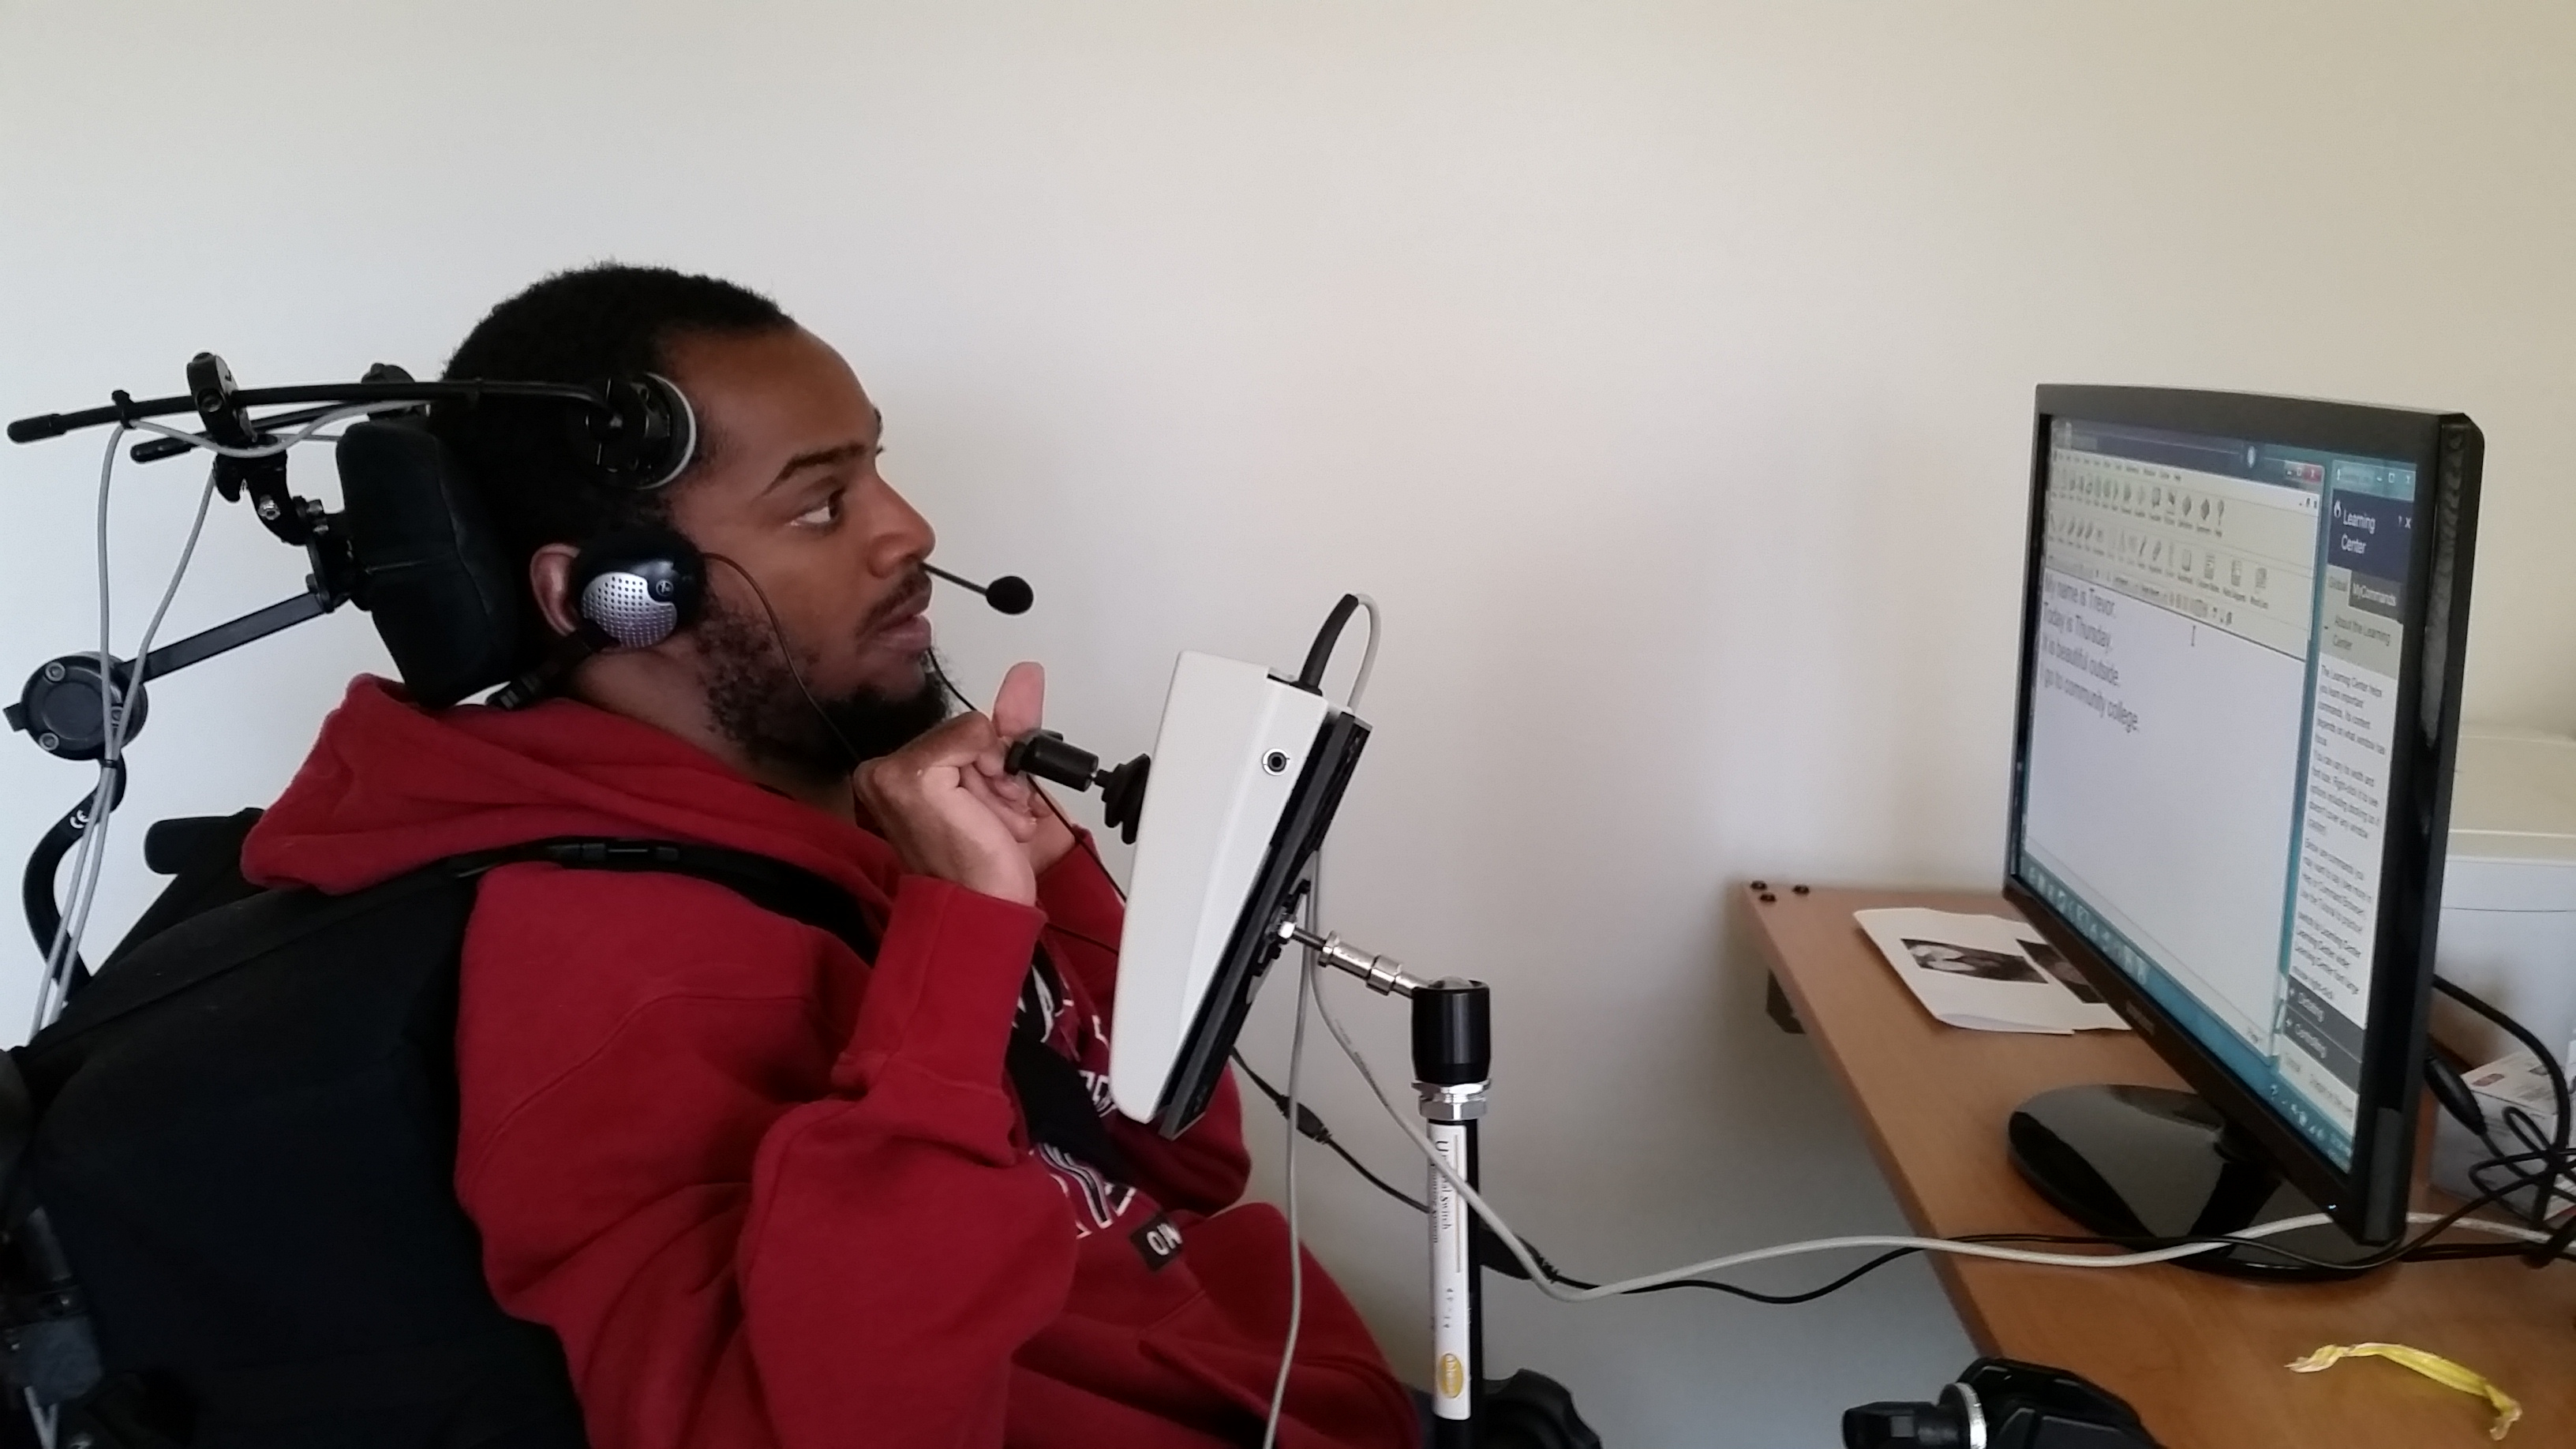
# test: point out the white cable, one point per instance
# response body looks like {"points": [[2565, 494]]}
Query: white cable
{"points": [[1296, 1058], [271, 450], [114, 726], [1368, 658], [66, 942], [1296, 1250], [1540, 1278], [42, 1415], [89, 864]]}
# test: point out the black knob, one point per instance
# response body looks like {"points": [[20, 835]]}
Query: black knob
{"points": [[1904, 1426], [1045, 754], [61, 706], [1122, 796], [1453, 1032]]}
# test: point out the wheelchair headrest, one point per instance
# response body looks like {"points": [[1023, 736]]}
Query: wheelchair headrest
{"points": [[430, 571]]}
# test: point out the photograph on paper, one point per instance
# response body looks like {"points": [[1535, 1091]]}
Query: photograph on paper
{"points": [[1986, 973]]}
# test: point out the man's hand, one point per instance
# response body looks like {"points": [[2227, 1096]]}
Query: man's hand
{"points": [[935, 801], [953, 812], [1018, 709]]}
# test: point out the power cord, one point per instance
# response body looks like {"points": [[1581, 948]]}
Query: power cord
{"points": [[1319, 657], [1564, 1292], [2554, 1159], [1311, 1125], [1491, 1254]]}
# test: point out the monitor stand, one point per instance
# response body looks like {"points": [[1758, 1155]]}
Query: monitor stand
{"points": [[2150, 1162]]}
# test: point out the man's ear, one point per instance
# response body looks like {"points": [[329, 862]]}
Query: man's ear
{"points": [[550, 581]]}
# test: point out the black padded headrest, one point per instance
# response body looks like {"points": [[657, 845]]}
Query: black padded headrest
{"points": [[444, 600]]}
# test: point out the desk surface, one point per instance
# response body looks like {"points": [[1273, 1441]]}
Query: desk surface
{"points": [[2199, 1356]]}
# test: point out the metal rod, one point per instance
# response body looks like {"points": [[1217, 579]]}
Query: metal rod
{"points": [[1384, 974], [1452, 1069], [1456, 1357], [284, 614], [54, 425]]}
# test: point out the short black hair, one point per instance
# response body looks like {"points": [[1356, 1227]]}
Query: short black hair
{"points": [[608, 320]]}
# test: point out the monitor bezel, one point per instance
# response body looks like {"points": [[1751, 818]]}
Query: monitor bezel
{"points": [[2369, 1198]]}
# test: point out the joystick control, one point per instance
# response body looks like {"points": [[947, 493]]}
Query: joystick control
{"points": [[1045, 754]]}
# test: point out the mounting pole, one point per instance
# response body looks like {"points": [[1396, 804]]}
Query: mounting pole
{"points": [[1453, 1075]]}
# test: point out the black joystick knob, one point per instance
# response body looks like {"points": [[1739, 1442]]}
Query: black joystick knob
{"points": [[1045, 754]]}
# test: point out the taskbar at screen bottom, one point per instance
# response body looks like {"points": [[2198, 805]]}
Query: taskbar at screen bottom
{"points": [[2260, 1074]]}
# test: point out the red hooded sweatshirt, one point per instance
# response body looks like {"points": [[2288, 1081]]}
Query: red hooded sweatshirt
{"points": [[768, 1193]]}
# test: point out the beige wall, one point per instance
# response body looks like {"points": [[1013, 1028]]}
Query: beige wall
{"points": [[1665, 370]]}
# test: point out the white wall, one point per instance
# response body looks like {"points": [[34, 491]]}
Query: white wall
{"points": [[1665, 370]]}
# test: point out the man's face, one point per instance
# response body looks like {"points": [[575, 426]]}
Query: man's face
{"points": [[789, 491]]}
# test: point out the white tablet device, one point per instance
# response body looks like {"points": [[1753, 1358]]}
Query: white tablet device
{"points": [[1248, 770]]}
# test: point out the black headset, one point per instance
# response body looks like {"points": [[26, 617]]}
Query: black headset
{"points": [[631, 589], [636, 587], [412, 543], [643, 434]]}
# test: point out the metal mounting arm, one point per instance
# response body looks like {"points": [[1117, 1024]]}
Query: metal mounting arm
{"points": [[1384, 974], [66, 705]]}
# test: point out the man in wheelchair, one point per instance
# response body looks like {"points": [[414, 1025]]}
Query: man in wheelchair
{"points": [[831, 1165]]}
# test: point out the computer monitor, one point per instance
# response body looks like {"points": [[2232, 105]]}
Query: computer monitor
{"points": [[2240, 680]]}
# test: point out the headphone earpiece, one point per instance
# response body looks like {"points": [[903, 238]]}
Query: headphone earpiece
{"points": [[646, 436], [635, 588]]}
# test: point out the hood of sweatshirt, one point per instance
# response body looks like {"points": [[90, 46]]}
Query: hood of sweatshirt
{"points": [[391, 787]]}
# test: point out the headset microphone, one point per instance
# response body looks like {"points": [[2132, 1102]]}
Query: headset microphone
{"points": [[1009, 594]]}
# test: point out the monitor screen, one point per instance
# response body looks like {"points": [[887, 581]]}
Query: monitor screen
{"points": [[2212, 721]]}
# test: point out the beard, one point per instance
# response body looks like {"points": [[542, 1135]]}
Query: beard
{"points": [[754, 698]]}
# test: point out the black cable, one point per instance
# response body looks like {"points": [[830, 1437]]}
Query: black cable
{"points": [[2419, 1248], [2558, 1163], [1781, 1300], [1312, 1126], [2516, 1180], [2558, 1091], [1320, 653], [930, 661], [2424, 1252], [2544, 1180], [778, 633], [2404, 1248]]}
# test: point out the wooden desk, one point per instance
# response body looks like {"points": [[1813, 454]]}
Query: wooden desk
{"points": [[2199, 1356]]}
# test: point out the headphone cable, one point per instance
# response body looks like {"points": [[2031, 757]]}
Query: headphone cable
{"points": [[778, 635]]}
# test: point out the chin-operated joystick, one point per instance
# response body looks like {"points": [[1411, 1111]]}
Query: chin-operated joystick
{"points": [[2002, 1403], [1045, 754]]}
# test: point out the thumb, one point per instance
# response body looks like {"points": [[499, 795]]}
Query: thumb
{"points": [[1020, 704]]}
